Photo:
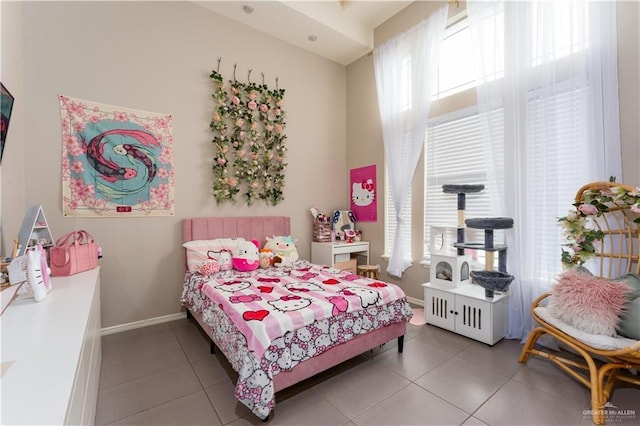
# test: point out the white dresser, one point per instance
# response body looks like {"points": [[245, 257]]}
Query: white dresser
{"points": [[51, 354]]}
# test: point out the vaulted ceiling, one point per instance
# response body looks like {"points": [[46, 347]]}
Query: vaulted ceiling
{"points": [[338, 30]]}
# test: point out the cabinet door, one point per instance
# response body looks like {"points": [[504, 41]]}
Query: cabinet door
{"points": [[473, 318], [439, 308]]}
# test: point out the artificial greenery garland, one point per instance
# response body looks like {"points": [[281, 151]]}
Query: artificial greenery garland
{"points": [[581, 238], [248, 123]]}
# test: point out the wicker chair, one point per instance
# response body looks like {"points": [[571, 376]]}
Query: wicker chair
{"points": [[603, 365]]}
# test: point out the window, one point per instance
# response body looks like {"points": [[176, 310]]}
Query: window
{"points": [[455, 72], [455, 154], [454, 150]]}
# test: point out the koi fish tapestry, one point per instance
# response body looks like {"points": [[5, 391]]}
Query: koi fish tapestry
{"points": [[116, 161]]}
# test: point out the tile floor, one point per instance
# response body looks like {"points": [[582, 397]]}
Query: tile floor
{"points": [[164, 374]]}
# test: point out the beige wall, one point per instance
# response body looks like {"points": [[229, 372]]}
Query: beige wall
{"points": [[12, 182], [157, 57], [365, 135]]}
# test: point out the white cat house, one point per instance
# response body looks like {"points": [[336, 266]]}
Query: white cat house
{"points": [[450, 271]]}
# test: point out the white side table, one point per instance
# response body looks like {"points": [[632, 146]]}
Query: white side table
{"points": [[340, 255]]}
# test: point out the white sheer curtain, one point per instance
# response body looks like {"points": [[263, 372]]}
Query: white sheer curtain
{"points": [[405, 70], [550, 67]]}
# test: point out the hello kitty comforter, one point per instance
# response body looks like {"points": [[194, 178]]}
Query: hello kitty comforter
{"points": [[270, 320]]}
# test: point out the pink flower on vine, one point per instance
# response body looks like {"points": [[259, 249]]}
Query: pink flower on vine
{"points": [[255, 185], [264, 107], [235, 100], [588, 209], [241, 153], [277, 129], [252, 105], [269, 127], [224, 149], [120, 116], [277, 112], [221, 161], [216, 118], [239, 122], [253, 95], [254, 125], [232, 182]]}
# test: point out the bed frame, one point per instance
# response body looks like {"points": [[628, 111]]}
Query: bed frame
{"points": [[259, 227]]}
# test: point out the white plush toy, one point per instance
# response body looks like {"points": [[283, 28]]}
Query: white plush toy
{"points": [[284, 250], [245, 257]]}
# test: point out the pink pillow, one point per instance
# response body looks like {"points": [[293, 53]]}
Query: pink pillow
{"points": [[589, 303]]}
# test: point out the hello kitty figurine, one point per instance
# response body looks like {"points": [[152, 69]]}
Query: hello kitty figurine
{"points": [[245, 257]]}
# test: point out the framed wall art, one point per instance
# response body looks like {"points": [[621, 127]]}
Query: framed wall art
{"points": [[6, 106]]}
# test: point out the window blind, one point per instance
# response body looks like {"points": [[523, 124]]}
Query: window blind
{"points": [[455, 154]]}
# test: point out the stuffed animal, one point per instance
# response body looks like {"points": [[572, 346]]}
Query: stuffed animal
{"points": [[266, 257], [284, 250], [223, 257], [245, 257]]}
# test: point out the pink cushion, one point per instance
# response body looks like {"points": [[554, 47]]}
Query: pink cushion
{"points": [[589, 303]]}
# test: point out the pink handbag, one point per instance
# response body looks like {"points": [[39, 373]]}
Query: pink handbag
{"points": [[73, 253]]}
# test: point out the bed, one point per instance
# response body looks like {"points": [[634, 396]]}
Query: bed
{"points": [[324, 316]]}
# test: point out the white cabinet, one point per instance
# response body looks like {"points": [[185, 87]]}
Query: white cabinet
{"points": [[51, 354], [340, 255], [466, 310]]}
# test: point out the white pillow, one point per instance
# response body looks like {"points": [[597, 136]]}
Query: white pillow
{"points": [[197, 250]]}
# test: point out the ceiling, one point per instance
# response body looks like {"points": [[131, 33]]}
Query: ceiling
{"points": [[343, 30]]}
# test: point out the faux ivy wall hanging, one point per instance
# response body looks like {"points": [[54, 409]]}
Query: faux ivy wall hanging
{"points": [[248, 125]]}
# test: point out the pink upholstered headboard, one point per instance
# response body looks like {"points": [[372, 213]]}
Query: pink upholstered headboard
{"points": [[249, 228]]}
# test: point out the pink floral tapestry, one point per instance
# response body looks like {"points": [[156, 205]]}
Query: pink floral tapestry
{"points": [[116, 161]]}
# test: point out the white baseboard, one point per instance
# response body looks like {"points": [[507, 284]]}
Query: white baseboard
{"points": [[415, 301], [139, 324]]}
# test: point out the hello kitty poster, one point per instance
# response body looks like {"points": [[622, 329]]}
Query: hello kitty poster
{"points": [[364, 195]]}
